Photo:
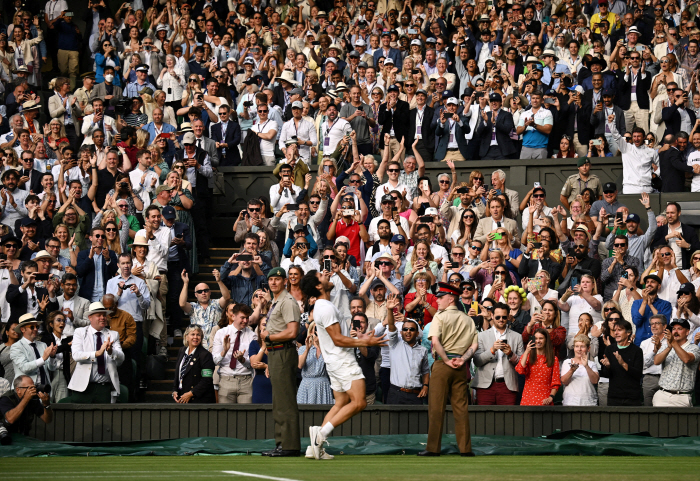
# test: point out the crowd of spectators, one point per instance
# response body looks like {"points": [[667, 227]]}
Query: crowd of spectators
{"points": [[113, 129]]}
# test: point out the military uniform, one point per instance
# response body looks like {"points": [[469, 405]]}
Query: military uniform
{"points": [[283, 361], [574, 185], [456, 332]]}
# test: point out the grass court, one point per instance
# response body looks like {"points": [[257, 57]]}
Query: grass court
{"points": [[351, 468]]}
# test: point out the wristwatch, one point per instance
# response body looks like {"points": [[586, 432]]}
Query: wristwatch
{"points": [[267, 339]]}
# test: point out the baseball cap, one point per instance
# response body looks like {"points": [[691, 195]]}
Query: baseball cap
{"points": [[495, 97], [168, 212], [609, 187], [387, 198], [416, 42], [577, 88], [163, 187], [680, 322], [398, 238], [393, 88], [388, 61], [430, 40], [360, 42], [354, 53], [452, 101], [297, 105], [362, 65], [633, 218], [27, 221], [188, 139], [608, 92]]}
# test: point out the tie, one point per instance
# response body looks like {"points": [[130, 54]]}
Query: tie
{"points": [[100, 358], [185, 362], [42, 373], [199, 143], [236, 345]]}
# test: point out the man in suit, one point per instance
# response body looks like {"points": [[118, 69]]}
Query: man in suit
{"points": [[633, 96], [31, 357], [26, 297], [31, 178], [253, 217], [450, 132], [489, 225], [64, 107], [158, 127], [386, 51], [419, 127], [72, 305], [495, 138], [673, 167], [96, 266], [530, 267], [394, 119], [500, 348], [677, 117], [153, 57], [111, 94], [600, 115], [227, 136], [181, 239], [676, 235], [98, 354]]}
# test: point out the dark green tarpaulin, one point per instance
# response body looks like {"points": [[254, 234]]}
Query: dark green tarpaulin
{"points": [[566, 443]]}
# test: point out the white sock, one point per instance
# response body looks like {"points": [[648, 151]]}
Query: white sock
{"points": [[327, 430]]}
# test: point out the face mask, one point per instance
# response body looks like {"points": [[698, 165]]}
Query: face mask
{"points": [[109, 78]]}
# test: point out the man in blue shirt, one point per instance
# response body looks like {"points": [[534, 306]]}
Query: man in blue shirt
{"points": [[69, 39], [133, 89], [649, 305], [535, 124]]}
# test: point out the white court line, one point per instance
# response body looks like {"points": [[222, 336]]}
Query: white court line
{"points": [[261, 476]]}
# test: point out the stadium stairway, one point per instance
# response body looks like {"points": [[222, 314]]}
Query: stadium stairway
{"points": [[161, 391]]}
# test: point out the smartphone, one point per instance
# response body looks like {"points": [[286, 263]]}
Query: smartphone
{"points": [[42, 277], [537, 309], [394, 209], [475, 306], [596, 142], [625, 275], [350, 190], [574, 282], [180, 235], [356, 325], [424, 184], [452, 265], [244, 258], [326, 169], [327, 265], [497, 236], [611, 222], [463, 190], [348, 212], [497, 278], [498, 192], [292, 207], [537, 185], [165, 136], [618, 216], [537, 245], [425, 218], [3, 257]]}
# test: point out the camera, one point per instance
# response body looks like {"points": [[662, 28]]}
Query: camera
{"points": [[247, 104], [5, 437], [45, 388], [123, 107]]}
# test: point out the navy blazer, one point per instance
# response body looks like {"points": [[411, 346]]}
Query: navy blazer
{"points": [[233, 138], [198, 376], [86, 272], [672, 119], [394, 54], [688, 233], [427, 133], [443, 135], [504, 126], [18, 302], [399, 120]]}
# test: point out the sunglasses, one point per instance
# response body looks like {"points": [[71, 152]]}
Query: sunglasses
{"points": [[302, 244], [468, 288], [621, 244], [193, 80], [667, 254], [474, 247], [111, 229], [409, 329], [608, 309], [202, 291], [122, 206], [538, 196], [458, 254], [254, 209], [99, 236], [384, 263], [498, 318], [489, 308], [261, 111], [314, 202], [11, 246], [393, 170], [354, 182], [179, 167], [469, 217], [503, 273], [444, 181]]}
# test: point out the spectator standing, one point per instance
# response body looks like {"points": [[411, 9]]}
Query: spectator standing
{"points": [[361, 118], [679, 361], [649, 305], [366, 355], [315, 388], [650, 347], [540, 366], [194, 371], [623, 363], [206, 311], [580, 375], [98, 353], [410, 373], [637, 159], [613, 267], [500, 348], [673, 167], [96, 266], [535, 125], [262, 388], [231, 353], [679, 237], [30, 356], [577, 183]]}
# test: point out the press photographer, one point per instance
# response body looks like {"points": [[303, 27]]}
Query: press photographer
{"points": [[19, 407]]}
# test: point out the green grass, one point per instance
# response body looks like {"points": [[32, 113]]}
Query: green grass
{"points": [[342, 468]]}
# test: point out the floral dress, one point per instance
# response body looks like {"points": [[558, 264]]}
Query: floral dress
{"points": [[315, 388], [540, 379], [184, 216]]}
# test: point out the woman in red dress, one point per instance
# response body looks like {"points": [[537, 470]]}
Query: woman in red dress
{"points": [[548, 319], [540, 367]]}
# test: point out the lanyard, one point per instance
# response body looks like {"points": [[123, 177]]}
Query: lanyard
{"points": [[330, 128], [261, 130], [421, 113]]}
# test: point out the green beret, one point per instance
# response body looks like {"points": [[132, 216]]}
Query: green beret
{"points": [[277, 272]]}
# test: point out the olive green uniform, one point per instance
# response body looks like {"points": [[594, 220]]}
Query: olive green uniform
{"points": [[456, 332], [574, 185], [283, 361]]}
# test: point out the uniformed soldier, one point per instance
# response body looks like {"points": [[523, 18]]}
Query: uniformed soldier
{"points": [[82, 98], [282, 328], [577, 183], [454, 341]]}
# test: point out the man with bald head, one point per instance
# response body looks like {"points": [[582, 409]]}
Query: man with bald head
{"points": [[206, 312], [157, 127]]}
